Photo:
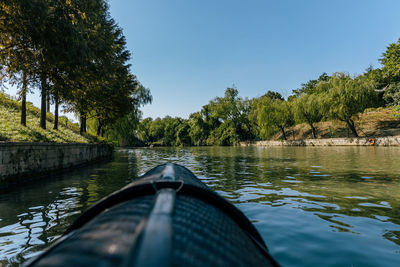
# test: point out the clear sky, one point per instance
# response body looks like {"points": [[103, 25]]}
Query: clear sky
{"points": [[188, 51]]}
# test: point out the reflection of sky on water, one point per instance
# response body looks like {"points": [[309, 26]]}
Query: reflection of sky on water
{"points": [[310, 204]]}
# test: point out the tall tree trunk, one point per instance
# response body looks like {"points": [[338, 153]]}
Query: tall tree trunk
{"points": [[23, 94], [314, 131], [43, 102], [350, 124], [56, 110], [283, 133], [48, 102], [99, 126], [83, 123]]}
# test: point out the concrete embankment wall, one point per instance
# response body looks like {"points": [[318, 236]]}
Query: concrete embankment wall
{"points": [[24, 160], [379, 141]]}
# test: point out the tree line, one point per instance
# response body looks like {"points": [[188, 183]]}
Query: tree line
{"points": [[75, 55], [230, 119]]}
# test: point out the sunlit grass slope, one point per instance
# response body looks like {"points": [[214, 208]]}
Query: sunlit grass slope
{"points": [[11, 129], [372, 122]]}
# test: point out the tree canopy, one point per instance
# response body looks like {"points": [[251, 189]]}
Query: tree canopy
{"points": [[271, 114], [345, 97], [391, 61], [75, 54], [310, 87], [308, 109]]}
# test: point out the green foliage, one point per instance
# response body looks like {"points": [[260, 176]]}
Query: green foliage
{"points": [[12, 130], [143, 131], [78, 54], [377, 77], [157, 130], [122, 131], [272, 115], [223, 121], [225, 134], [74, 52], [167, 131], [198, 129], [392, 95], [391, 61], [227, 119], [171, 126], [308, 109], [182, 134], [310, 87], [345, 97], [274, 95]]}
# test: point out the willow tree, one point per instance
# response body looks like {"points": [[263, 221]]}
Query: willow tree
{"points": [[125, 128], [308, 109], [272, 115], [345, 98], [143, 130]]}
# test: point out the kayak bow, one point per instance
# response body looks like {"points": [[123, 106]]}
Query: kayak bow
{"points": [[167, 217]]}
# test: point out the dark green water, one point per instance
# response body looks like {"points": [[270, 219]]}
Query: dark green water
{"points": [[332, 206]]}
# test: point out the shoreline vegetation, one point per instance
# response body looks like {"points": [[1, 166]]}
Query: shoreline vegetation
{"points": [[76, 56], [372, 123], [358, 141], [380, 124], [332, 106], [12, 131]]}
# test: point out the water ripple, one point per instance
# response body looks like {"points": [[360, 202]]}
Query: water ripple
{"points": [[309, 204]]}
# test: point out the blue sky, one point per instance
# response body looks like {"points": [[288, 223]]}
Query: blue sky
{"points": [[188, 51]]}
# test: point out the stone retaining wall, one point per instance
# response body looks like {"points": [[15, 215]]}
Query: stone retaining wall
{"points": [[379, 141], [23, 160]]}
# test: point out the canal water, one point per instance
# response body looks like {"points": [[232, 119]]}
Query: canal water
{"points": [[314, 206]]}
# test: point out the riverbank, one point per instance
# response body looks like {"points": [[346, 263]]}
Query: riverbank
{"points": [[373, 122], [11, 129], [23, 161], [360, 141]]}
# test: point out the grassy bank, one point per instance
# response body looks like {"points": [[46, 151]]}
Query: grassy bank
{"points": [[11, 130], [378, 122]]}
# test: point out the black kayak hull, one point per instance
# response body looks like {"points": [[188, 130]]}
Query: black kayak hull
{"points": [[167, 217]]}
